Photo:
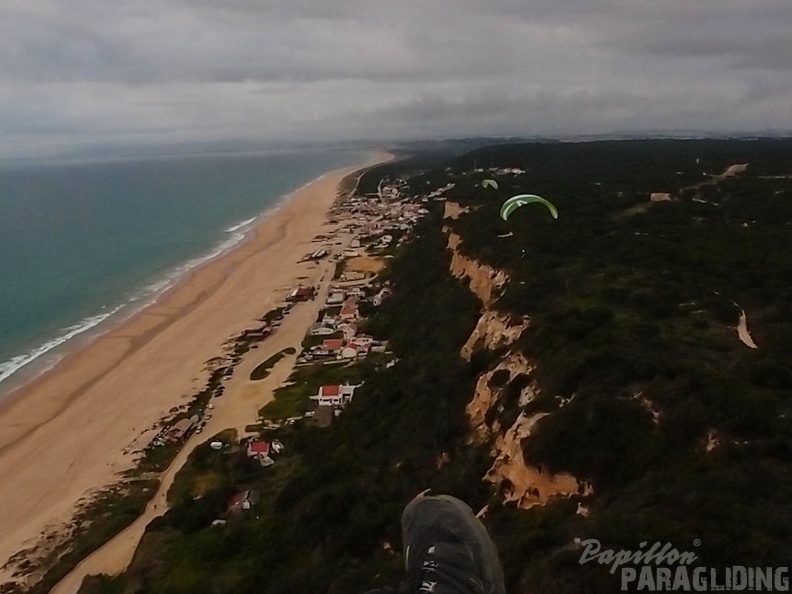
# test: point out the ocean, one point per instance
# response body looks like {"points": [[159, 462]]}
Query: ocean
{"points": [[84, 244]]}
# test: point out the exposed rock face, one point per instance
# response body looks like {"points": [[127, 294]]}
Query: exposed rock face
{"points": [[525, 484], [492, 331], [528, 485], [485, 398], [452, 210], [485, 281], [518, 481]]}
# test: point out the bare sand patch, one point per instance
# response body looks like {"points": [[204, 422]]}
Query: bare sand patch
{"points": [[364, 264], [743, 334]]}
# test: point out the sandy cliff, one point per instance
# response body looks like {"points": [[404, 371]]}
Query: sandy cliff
{"points": [[517, 479]]}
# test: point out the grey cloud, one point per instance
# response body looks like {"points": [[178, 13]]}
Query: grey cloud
{"points": [[351, 68]]}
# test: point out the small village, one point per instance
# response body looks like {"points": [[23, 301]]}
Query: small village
{"points": [[367, 230]]}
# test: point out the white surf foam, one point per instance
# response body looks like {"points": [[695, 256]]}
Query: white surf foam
{"points": [[141, 298], [10, 367], [239, 226], [138, 300]]}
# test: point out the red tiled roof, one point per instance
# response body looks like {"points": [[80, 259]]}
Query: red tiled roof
{"points": [[330, 390], [333, 344], [259, 447]]}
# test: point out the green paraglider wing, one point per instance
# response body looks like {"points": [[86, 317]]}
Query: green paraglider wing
{"points": [[516, 202], [489, 183]]}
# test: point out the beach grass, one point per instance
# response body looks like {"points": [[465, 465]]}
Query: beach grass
{"points": [[294, 399], [110, 512], [203, 475], [263, 369]]}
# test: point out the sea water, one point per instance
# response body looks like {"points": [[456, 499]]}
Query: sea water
{"points": [[86, 243]]}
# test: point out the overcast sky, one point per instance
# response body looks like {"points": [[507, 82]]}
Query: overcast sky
{"points": [[84, 72]]}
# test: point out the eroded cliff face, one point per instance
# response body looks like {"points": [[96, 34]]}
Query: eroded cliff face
{"points": [[493, 331], [515, 478], [523, 483], [485, 398], [485, 281]]}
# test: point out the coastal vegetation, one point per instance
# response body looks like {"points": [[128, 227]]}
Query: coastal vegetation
{"points": [[97, 521], [293, 398], [642, 386], [262, 369]]}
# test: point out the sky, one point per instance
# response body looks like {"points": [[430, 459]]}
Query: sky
{"points": [[83, 73]]}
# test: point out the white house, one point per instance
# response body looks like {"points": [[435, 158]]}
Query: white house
{"points": [[353, 349], [379, 297], [328, 320], [349, 329], [335, 395], [335, 298], [364, 340], [320, 330]]}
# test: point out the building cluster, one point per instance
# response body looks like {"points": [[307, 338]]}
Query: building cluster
{"points": [[376, 219], [339, 324], [245, 500], [375, 223]]}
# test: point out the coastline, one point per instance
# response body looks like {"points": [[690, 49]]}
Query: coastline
{"points": [[42, 358], [67, 433]]}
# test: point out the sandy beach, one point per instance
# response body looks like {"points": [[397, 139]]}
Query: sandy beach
{"points": [[71, 431]]}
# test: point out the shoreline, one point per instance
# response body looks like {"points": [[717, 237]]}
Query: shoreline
{"points": [[64, 435], [77, 335]]}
